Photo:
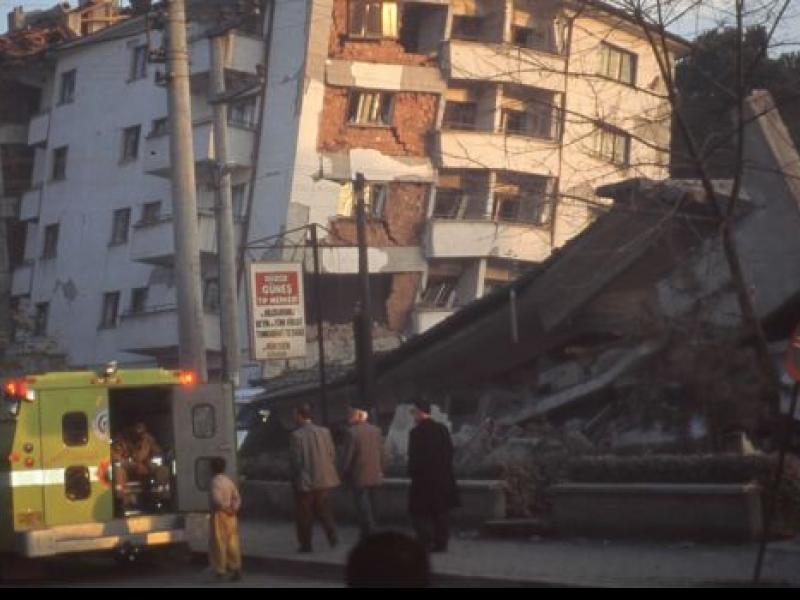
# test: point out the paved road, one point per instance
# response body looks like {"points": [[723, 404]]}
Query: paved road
{"points": [[102, 571]]}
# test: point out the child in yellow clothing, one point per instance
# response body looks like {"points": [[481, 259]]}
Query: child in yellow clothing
{"points": [[224, 551]]}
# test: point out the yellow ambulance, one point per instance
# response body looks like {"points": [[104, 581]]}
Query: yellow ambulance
{"points": [[118, 460]]}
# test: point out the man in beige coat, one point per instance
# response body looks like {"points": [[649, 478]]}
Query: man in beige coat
{"points": [[313, 462], [363, 466]]}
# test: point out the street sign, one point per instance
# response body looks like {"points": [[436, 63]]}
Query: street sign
{"points": [[277, 311], [793, 356]]}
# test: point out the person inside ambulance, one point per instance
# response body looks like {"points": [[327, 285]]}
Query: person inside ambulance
{"points": [[149, 464]]}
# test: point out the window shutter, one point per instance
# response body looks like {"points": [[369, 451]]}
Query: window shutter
{"points": [[389, 19]]}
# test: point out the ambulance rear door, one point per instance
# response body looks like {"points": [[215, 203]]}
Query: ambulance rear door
{"points": [[203, 419]]}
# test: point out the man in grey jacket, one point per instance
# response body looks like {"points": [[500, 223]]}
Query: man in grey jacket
{"points": [[313, 462], [362, 466]]}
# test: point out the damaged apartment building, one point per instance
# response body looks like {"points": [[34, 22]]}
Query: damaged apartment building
{"points": [[481, 127]]}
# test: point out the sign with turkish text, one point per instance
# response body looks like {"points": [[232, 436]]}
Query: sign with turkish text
{"points": [[277, 311]]}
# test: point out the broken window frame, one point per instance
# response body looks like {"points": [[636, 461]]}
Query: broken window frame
{"points": [[138, 68], [617, 64], [452, 195], [60, 163], [612, 145], [373, 19], [66, 92], [120, 227], [366, 108], [110, 310], [130, 144], [530, 206], [50, 244], [460, 115], [440, 292]]}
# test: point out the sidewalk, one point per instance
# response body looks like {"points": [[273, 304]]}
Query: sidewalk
{"points": [[474, 561]]}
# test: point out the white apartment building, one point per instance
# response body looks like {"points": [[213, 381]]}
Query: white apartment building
{"points": [[481, 127]]}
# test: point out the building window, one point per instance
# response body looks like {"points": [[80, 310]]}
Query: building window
{"points": [[138, 63], [243, 114], [372, 19], [159, 127], [448, 203], [460, 115], [211, 295], [67, 92], [50, 247], [526, 207], [466, 27], [440, 292], [238, 200], [120, 226], [612, 145], [108, 320], [515, 121], [138, 301], [75, 429], [617, 64], [375, 199], [151, 213], [60, 163], [40, 319], [130, 143], [370, 108]]}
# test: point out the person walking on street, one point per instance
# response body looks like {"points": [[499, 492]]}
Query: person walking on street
{"points": [[362, 467], [313, 462], [225, 551], [433, 491]]}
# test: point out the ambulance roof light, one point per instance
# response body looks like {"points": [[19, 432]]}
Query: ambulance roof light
{"points": [[18, 388]]}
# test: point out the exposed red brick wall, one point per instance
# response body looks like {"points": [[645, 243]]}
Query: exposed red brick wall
{"points": [[413, 116], [380, 51], [402, 299], [403, 225]]}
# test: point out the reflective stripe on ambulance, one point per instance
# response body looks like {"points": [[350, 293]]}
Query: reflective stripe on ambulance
{"points": [[34, 477]]}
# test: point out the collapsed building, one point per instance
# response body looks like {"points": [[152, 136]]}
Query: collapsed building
{"points": [[629, 338], [480, 127]]}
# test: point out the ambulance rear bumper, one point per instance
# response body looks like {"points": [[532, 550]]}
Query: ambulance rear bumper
{"points": [[92, 537]]}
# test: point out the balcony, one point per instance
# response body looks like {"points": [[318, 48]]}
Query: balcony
{"points": [[240, 149], [154, 242], [13, 133], [38, 129], [30, 205], [476, 238], [155, 331], [423, 318], [22, 280], [504, 63], [344, 260], [245, 54], [458, 149]]}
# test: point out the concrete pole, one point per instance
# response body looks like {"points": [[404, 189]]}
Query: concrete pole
{"points": [[323, 392], [191, 339], [226, 252], [365, 365]]}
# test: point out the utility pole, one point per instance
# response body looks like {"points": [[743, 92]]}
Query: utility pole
{"points": [[323, 392], [191, 339], [226, 253], [363, 317]]}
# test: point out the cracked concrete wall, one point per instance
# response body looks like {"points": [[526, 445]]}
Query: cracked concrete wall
{"points": [[413, 117], [403, 224]]}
